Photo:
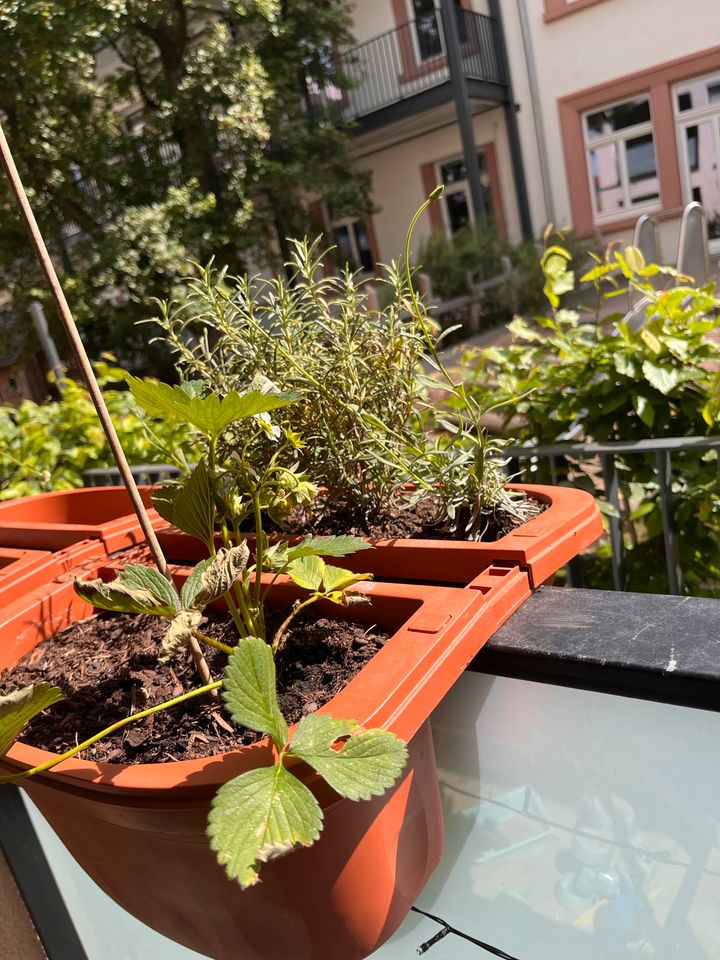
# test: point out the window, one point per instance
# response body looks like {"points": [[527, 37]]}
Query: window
{"points": [[621, 157], [697, 113], [426, 18], [456, 196], [353, 244]]}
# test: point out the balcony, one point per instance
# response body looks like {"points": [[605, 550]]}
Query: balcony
{"points": [[405, 71]]}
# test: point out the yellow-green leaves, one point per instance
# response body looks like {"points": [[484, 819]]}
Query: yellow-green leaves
{"points": [[365, 765], [312, 573], [558, 279], [260, 815], [18, 708], [210, 414], [249, 690]]}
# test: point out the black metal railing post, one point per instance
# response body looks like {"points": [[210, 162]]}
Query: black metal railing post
{"points": [[663, 468], [448, 12]]}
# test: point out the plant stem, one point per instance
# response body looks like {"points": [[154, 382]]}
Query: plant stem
{"points": [[279, 636], [126, 721], [217, 644]]}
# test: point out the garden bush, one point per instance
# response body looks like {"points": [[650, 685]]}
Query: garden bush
{"points": [[46, 446], [615, 383]]}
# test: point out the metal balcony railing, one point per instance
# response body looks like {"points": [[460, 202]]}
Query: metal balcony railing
{"points": [[555, 462], [411, 59]]}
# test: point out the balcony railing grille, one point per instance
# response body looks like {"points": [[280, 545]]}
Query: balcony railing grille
{"points": [[403, 62]]}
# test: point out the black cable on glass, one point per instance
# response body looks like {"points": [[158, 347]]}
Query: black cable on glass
{"points": [[446, 929]]}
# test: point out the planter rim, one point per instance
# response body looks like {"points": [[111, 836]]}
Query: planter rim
{"points": [[440, 611]]}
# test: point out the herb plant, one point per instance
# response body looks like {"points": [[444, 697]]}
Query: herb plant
{"points": [[360, 376], [246, 468]]}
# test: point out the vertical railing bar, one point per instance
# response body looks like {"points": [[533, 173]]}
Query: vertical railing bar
{"points": [[663, 468], [617, 544]]}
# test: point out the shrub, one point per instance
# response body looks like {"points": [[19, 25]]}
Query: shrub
{"points": [[616, 383], [46, 446]]}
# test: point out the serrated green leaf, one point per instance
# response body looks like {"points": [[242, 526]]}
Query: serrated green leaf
{"points": [[364, 766], [210, 414], [663, 379], [335, 578], [189, 505], [18, 708], [213, 577], [250, 692], [260, 815], [115, 596], [181, 630], [307, 572], [138, 576], [328, 547]]}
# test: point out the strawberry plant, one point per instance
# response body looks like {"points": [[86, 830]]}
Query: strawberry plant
{"points": [[246, 468]]}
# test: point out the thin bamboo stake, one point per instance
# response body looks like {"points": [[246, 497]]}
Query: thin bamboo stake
{"points": [[68, 322]]}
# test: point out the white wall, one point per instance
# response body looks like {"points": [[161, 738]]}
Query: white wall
{"points": [[595, 45], [398, 189]]}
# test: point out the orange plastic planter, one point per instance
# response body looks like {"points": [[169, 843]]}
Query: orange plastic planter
{"points": [[22, 571], [570, 522], [138, 830], [51, 521]]}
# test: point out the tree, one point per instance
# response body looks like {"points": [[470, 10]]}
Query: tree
{"points": [[156, 132]]}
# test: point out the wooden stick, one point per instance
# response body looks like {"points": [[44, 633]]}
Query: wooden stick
{"points": [[68, 322]]}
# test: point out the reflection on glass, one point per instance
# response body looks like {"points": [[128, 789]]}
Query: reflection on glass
{"points": [[620, 117], [642, 169], [427, 29], [605, 171], [458, 210], [702, 166]]}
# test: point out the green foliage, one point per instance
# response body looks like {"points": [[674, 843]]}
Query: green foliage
{"points": [[227, 154], [47, 446], [469, 256], [474, 254], [617, 383]]}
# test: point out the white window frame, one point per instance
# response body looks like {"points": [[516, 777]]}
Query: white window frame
{"points": [[419, 60], [618, 137], [460, 185], [693, 118]]}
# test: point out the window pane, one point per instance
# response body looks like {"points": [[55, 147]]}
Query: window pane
{"points": [[702, 167], [427, 29], [697, 93], [452, 172], [642, 169], [458, 212], [363, 245], [605, 170], [619, 117]]}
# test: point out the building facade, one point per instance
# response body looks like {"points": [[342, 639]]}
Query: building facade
{"points": [[584, 113]]}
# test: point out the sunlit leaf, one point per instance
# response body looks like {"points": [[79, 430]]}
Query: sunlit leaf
{"points": [[250, 692], [260, 815], [364, 766], [18, 708], [213, 577]]}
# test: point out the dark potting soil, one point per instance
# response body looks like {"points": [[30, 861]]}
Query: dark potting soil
{"points": [[108, 667], [396, 521]]}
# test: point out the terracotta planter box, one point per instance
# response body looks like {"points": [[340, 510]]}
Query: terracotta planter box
{"points": [[570, 522], [139, 830], [52, 521], [22, 571]]}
